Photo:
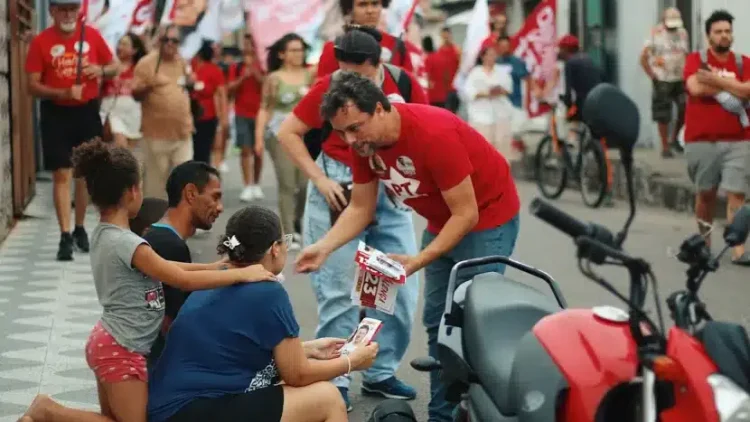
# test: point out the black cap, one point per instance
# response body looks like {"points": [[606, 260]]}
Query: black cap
{"points": [[357, 45]]}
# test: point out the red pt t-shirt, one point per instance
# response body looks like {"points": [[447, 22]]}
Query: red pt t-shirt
{"points": [[247, 96], [705, 119], [121, 85], [55, 56], [435, 152], [308, 111], [209, 78], [390, 54]]}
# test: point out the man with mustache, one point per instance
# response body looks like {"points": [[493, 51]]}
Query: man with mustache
{"points": [[330, 179], [195, 201], [441, 168], [69, 107], [717, 130]]}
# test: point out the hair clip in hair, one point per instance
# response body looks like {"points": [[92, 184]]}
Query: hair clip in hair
{"points": [[232, 242]]}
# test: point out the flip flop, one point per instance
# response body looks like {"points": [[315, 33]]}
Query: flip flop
{"points": [[742, 260]]}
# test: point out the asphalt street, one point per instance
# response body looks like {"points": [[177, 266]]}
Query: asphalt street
{"points": [[655, 236]]}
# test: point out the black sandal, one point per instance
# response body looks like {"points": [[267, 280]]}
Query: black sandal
{"points": [[742, 260]]}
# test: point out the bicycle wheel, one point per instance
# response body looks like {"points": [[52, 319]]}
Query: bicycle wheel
{"points": [[549, 169], [593, 174]]}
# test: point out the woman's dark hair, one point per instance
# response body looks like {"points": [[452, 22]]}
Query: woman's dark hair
{"points": [[481, 54], [108, 170], [152, 210], [138, 46], [346, 6], [206, 52], [428, 45], [718, 16], [273, 61], [256, 229]]}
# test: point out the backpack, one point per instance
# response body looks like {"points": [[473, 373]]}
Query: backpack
{"points": [[393, 410], [314, 138], [737, 58]]}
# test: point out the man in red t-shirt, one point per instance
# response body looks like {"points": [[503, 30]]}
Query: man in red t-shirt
{"points": [[246, 83], [366, 13], [717, 145], [330, 179], [69, 107], [432, 161]]}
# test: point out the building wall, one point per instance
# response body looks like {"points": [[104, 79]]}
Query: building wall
{"points": [[633, 31], [6, 183]]}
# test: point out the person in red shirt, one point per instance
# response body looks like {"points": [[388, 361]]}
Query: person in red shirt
{"points": [[366, 13], [246, 83], [209, 90], [717, 130], [432, 161], [69, 107], [119, 109], [330, 176], [439, 78], [450, 54]]}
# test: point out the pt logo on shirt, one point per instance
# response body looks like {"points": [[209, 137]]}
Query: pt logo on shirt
{"points": [[402, 188]]}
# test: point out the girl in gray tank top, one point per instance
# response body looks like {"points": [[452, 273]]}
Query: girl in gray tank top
{"points": [[127, 276]]}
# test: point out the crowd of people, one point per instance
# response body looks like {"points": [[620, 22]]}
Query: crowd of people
{"points": [[352, 144]]}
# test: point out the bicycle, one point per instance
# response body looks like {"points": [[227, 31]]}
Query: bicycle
{"points": [[589, 167]]}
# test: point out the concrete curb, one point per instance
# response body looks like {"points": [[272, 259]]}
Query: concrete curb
{"points": [[652, 188]]}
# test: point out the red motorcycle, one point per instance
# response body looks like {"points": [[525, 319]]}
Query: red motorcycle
{"points": [[508, 352]]}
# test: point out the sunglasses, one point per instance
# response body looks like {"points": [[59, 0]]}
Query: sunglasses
{"points": [[170, 40]]}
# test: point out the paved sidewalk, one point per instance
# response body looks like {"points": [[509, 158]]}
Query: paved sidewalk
{"points": [[47, 309]]}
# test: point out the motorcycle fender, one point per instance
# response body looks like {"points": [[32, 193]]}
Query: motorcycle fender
{"points": [[694, 398], [592, 353]]}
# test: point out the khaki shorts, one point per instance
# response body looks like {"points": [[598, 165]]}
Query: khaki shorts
{"points": [[724, 165]]}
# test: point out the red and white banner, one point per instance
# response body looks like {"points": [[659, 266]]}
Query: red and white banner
{"points": [[272, 19], [536, 45]]}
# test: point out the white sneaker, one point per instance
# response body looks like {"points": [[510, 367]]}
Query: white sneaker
{"points": [[294, 246], [248, 194], [223, 167], [297, 238], [257, 192]]}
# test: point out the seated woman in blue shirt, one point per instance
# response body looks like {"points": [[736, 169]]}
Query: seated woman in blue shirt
{"points": [[229, 348]]}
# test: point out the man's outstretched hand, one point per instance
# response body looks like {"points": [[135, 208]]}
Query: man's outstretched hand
{"points": [[409, 262], [310, 258]]}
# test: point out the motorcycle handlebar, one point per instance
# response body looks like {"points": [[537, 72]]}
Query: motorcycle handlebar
{"points": [[559, 219]]}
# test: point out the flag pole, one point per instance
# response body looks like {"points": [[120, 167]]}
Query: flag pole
{"points": [[82, 22]]}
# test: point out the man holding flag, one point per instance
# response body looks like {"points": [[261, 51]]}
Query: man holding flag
{"points": [[66, 63]]}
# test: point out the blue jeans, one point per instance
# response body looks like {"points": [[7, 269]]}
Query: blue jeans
{"points": [[333, 282], [498, 241]]}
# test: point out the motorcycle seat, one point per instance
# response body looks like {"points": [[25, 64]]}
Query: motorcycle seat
{"points": [[498, 312]]}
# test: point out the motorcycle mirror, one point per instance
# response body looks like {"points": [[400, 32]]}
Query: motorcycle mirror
{"points": [[736, 233], [611, 114], [426, 364]]}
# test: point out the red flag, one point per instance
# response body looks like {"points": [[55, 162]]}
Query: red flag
{"points": [[410, 15], [84, 13], [536, 45]]}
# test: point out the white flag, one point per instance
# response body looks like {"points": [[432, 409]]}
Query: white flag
{"points": [[476, 32]]}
